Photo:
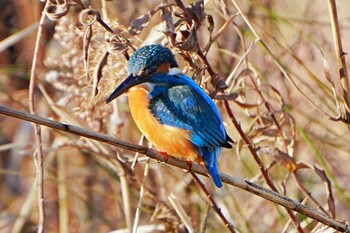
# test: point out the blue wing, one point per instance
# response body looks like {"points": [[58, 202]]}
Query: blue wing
{"points": [[185, 105]]}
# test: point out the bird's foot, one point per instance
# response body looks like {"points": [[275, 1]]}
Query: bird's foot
{"points": [[165, 155], [189, 169]]}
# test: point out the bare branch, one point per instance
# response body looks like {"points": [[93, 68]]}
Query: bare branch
{"points": [[242, 184]]}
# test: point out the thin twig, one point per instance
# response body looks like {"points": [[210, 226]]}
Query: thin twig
{"points": [[213, 203], [184, 9], [62, 192], [135, 160], [26, 209], [204, 219], [15, 38], [181, 213], [242, 184], [286, 226], [220, 31], [308, 194], [39, 158], [142, 192], [125, 195]]}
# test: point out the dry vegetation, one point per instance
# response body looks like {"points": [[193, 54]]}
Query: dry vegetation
{"points": [[273, 67]]}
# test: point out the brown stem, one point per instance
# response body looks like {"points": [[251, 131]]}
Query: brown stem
{"points": [[38, 154]]}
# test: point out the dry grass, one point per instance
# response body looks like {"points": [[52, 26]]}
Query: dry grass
{"points": [[290, 119]]}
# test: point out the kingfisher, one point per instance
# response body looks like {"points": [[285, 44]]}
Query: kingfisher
{"points": [[171, 110]]}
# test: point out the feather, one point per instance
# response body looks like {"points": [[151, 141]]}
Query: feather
{"points": [[210, 160], [185, 105]]}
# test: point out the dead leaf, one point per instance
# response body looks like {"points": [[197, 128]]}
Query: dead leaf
{"points": [[196, 12], [188, 41], [285, 160], [86, 46], [327, 69], [138, 24], [221, 96], [330, 199], [245, 105], [54, 11], [272, 96], [98, 72], [302, 166], [88, 17], [168, 20]]}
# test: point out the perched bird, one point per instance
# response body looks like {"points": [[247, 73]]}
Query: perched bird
{"points": [[171, 110]]}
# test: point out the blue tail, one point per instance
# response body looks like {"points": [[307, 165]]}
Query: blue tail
{"points": [[209, 156]]}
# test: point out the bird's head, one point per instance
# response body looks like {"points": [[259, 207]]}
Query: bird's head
{"points": [[145, 62]]}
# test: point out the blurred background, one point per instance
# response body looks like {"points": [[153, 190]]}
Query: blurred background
{"points": [[278, 57]]}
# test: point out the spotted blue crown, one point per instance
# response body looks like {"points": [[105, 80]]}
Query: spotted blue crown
{"points": [[147, 59]]}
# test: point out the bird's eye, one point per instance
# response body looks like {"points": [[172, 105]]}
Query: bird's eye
{"points": [[150, 70]]}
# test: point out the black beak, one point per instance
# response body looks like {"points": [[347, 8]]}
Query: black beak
{"points": [[128, 83]]}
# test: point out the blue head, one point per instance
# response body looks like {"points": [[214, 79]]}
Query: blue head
{"points": [[145, 62]]}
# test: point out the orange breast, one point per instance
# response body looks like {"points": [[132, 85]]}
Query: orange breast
{"points": [[174, 141]]}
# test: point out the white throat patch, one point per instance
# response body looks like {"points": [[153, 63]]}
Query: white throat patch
{"points": [[174, 71]]}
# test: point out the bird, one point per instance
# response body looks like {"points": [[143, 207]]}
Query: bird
{"points": [[173, 112]]}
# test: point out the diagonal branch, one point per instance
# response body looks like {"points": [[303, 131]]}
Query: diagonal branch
{"points": [[240, 183]]}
